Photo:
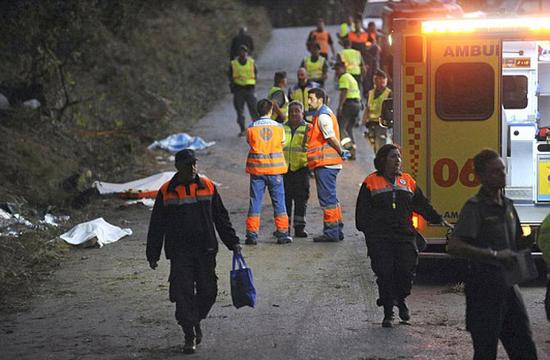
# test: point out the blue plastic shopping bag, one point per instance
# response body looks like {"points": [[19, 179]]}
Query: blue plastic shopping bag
{"points": [[243, 292]]}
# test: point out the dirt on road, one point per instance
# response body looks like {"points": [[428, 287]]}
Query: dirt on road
{"points": [[315, 301]]}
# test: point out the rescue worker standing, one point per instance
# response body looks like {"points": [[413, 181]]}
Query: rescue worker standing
{"points": [[353, 61], [296, 180], [488, 234], [266, 166], [242, 77], [322, 37], [376, 133], [300, 90], [316, 65], [349, 107], [187, 212], [324, 157], [278, 97], [383, 213], [242, 38], [345, 28]]}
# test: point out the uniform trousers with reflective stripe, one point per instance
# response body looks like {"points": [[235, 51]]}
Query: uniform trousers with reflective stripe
{"points": [[325, 179], [297, 194], [193, 287], [493, 314], [350, 116], [394, 263], [242, 95], [275, 186]]}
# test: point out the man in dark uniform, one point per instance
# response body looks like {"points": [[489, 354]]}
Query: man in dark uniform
{"points": [[187, 212], [488, 234]]}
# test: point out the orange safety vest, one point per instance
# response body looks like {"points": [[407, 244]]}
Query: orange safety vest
{"points": [[322, 39], [378, 184], [319, 151], [360, 38], [180, 196], [266, 140]]}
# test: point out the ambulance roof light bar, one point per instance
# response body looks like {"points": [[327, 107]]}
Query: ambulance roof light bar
{"points": [[483, 25]]}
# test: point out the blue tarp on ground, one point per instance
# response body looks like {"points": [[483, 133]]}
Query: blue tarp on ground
{"points": [[180, 141]]}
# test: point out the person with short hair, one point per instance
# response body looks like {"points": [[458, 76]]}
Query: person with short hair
{"points": [[266, 165], [300, 91], [278, 97], [242, 78], [187, 213], [353, 61], [383, 212], [376, 133], [242, 38], [349, 107], [325, 156], [296, 180], [488, 234], [316, 65]]}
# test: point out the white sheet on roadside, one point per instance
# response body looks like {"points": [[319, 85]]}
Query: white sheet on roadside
{"points": [[180, 141], [105, 233], [151, 183]]}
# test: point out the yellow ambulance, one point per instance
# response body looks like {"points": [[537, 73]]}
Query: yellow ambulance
{"points": [[461, 85]]}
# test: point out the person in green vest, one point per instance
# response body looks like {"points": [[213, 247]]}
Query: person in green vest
{"points": [[345, 28], [316, 65], [300, 91], [543, 241], [353, 61], [376, 133], [278, 97], [349, 107], [296, 180], [242, 82]]}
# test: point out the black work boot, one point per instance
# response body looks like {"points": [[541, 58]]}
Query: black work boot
{"points": [[388, 316], [198, 334], [299, 232], [403, 310], [189, 345]]}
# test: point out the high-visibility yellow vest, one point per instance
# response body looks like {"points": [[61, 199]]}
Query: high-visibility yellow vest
{"points": [[345, 29], [347, 81], [284, 108], [352, 60], [243, 75], [375, 105], [296, 147], [314, 69]]}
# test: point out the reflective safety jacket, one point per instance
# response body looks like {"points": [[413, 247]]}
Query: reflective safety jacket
{"points": [[296, 146], [384, 209], [266, 138], [352, 59], [283, 108], [296, 92], [345, 28], [358, 40], [185, 219], [348, 82], [243, 75], [321, 37], [314, 69], [374, 105], [319, 151]]}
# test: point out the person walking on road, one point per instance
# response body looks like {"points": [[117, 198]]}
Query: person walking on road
{"points": [[383, 213], [296, 180], [242, 38], [345, 28], [353, 61], [349, 107], [325, 156], [266, 166], [377, 134], [316, 65], [242, 77], [321, 37], [188, 210], [300, 91], [488, 234], [278, 97]]}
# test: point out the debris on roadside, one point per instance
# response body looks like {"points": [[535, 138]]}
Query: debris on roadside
{"points": [[53, 220], [180, 141], [86, 233], [137, 189], [146, 202]]}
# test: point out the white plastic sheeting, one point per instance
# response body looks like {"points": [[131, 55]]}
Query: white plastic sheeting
{"points": [[105, 233], [146, 185], [180, 141]]}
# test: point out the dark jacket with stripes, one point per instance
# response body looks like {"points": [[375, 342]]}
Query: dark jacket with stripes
{"points": [[174, 201], [384, 210]]}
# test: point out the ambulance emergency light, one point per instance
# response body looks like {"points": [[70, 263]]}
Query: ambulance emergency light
{"points": [[484, 25]]}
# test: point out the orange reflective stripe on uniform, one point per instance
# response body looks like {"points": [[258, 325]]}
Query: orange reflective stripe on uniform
{"points": [[319, 151], [332, 215], [281, 222], [180, 195], [253, 223], [378, 184]]}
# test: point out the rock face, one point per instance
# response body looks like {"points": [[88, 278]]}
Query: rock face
{"points": [[4, 103]]}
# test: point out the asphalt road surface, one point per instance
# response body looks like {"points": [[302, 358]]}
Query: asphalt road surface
{"points": [[315, 301]]}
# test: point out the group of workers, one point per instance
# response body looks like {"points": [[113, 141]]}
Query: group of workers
{"points": [[287, 144]]}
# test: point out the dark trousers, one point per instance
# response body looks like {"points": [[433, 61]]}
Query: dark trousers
{"points": [[493, 314], [242, 95], [297, 193], [348, 119], [394, 264], [193, 287]]}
